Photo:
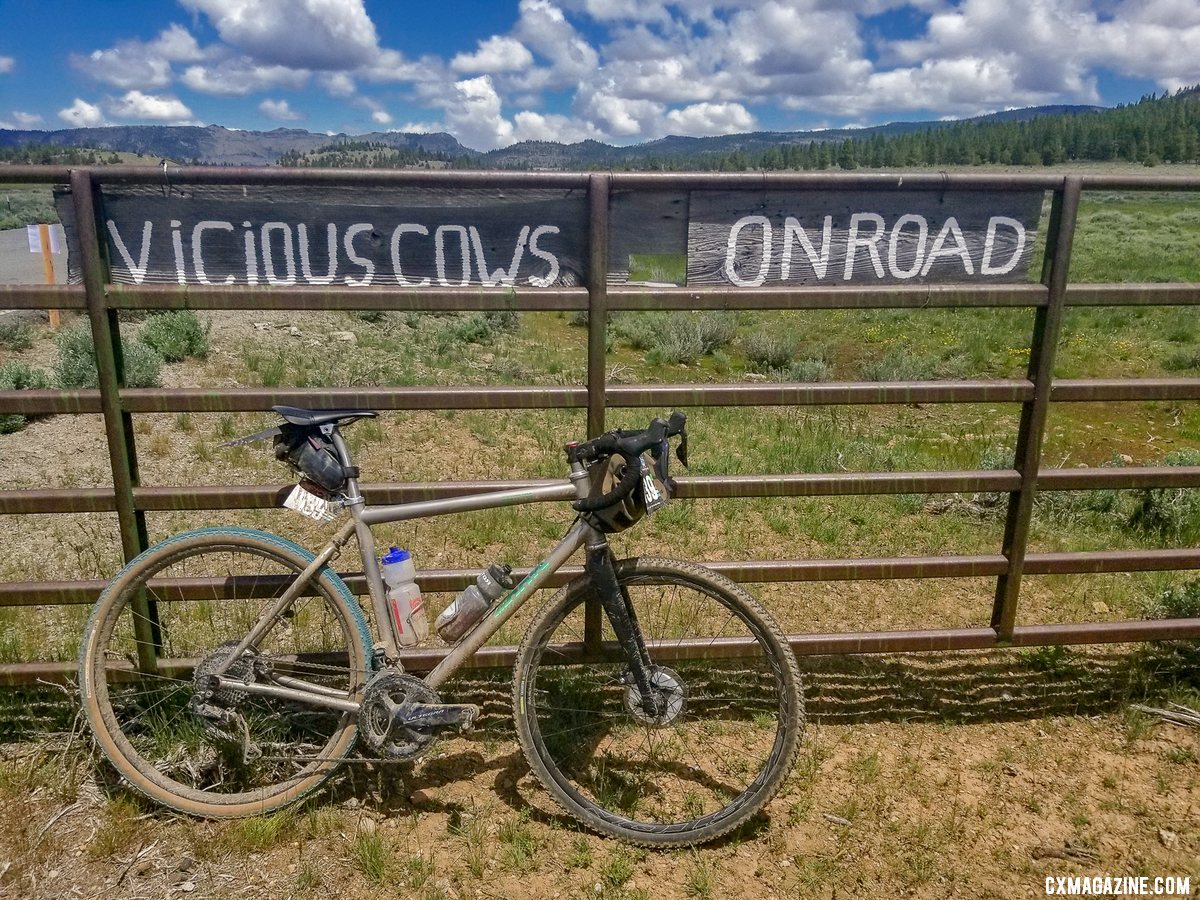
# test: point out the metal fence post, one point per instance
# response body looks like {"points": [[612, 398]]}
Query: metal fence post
{"points": [[1043, 350], [118, 425], [597, 373], [597, 284]]}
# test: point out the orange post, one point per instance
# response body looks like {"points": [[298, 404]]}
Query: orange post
{"points": [[48, 266]]}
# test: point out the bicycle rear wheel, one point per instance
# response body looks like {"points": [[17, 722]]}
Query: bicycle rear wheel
{"points": [[235, 753], [734, 713]]}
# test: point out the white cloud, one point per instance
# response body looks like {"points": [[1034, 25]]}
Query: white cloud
{"points": [[337, 84], [141, 64], [22, 120], [473, 114], [1157, 39], [391, 65], [420, 127], [82, 114], [6, 64], [239, 76], [535, 126], [542, 27], [710, 118], [638, 69], [496, 54], [622, 117], [379, 115], [622, 10], [330, 35], [279, 111], [137, 105]]}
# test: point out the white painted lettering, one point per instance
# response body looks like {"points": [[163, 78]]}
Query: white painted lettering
{"points": [[138, 271], [940, 249], [289, 254], [439, 254], [499, 276], [551, 275], [197, 252], [366, 264], [251, 254], [764, 250], [177, 246], [396, 235], [305, 263], [989, 246], [894, 245], [793, 231], [853, 242]]}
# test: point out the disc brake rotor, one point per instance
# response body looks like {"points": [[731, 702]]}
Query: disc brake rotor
{"points": [[669, 686]]}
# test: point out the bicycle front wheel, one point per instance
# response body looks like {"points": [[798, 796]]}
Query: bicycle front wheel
{"points": [[733, 718], [228, 752]]}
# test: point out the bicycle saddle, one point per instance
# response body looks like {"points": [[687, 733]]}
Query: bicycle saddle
{"points": [[312, 417]]}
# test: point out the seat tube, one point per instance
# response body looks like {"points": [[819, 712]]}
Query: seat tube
{"points": [[370, 559]]}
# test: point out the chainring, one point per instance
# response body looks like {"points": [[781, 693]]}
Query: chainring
{"points": [[385, 695]]}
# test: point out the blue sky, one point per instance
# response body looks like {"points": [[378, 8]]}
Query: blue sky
{"points": [[622, 71]]}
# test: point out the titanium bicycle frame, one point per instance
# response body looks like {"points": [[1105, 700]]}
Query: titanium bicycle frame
{"points": [[362, 517]]}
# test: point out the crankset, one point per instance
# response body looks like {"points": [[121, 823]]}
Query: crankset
{"points": [[400, 715]]}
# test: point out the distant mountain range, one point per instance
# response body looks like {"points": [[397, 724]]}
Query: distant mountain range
{"points": [[216, 145]]}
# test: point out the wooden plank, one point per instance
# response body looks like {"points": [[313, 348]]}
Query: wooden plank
{"points": [[787, 237], [342, 236], [645, 223]]}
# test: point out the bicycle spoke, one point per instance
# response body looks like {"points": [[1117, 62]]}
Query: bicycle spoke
{"points": [[689, 766], [228, 743]]}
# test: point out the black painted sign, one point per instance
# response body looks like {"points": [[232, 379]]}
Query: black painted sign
{"points": [[755, 238], [341, 237], [438, 237]]}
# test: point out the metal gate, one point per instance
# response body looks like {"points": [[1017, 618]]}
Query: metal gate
{"points": [[1047, 301]]}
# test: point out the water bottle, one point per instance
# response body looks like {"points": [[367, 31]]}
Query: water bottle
{"points": [[404, 598], [469, 606]]}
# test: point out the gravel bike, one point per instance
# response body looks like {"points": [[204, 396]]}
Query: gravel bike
{"points": [[656, 700]]}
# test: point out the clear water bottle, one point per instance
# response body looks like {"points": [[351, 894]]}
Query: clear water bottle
{"points": [[469, 606], [404, 598]]}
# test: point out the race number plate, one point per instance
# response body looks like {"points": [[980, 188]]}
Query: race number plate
{"points": [[309, 504], [654, 498]]}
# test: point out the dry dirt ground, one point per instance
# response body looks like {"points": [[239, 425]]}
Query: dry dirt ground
{"points": [[966, 775], [971, 775]]}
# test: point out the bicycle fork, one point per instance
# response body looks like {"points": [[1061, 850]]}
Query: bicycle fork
{"points": [[623, 618]]}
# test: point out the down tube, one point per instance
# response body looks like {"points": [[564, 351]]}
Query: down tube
{"points": [[503, 610]]}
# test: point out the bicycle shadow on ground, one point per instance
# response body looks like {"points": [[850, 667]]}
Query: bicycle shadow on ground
{"points": [[956, 687]]}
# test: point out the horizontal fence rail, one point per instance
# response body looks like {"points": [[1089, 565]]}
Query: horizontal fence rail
{"points": [[1046, 302]]}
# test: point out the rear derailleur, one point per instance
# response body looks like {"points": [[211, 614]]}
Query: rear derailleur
{"points": [[216, 706]]}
